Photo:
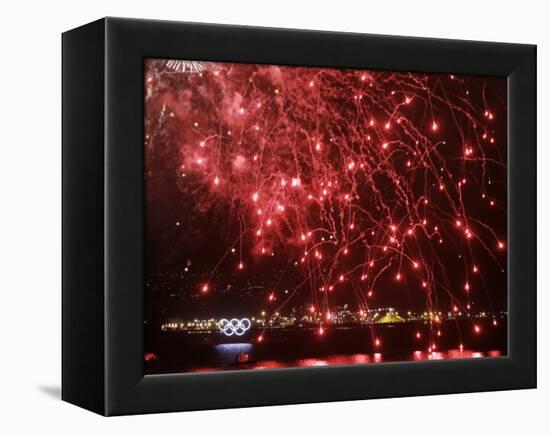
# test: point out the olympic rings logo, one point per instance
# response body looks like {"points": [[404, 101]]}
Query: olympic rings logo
{"points": [[237, 327]]}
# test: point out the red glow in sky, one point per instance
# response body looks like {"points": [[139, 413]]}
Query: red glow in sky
{"points": [[364, 186]]}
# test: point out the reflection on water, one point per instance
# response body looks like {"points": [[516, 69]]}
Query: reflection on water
{"points": [[232, 348], [453, 354], [234, 353], [231, 353], [287, 348]]}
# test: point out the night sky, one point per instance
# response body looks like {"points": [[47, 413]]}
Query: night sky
{"points": [[277, 188]]}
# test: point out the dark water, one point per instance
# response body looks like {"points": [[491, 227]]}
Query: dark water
{"points": [[176, 352]]}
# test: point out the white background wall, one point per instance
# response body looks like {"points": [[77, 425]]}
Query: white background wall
{"points": [[30, 205]]}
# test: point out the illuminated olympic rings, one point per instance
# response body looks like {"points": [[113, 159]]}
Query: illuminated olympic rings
{"points": [[234, 326]]}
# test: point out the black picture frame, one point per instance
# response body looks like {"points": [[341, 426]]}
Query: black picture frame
{"points": [[103, 136]]}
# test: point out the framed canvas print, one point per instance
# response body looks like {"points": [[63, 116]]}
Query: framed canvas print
{"points": [[263, 216]]}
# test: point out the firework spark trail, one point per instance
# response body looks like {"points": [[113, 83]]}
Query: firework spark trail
{"points": [[353, 176]]}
